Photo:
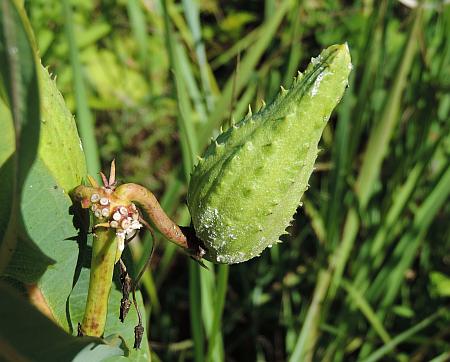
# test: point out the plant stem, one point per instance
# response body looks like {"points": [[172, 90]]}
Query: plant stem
{"points": [[154, 211], [102, 267]]}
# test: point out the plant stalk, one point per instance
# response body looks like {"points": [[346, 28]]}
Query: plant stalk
{"points": [[104, 249], [154, 211]]}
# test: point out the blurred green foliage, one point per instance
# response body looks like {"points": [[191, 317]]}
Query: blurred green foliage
{"points": [[366, 266]]}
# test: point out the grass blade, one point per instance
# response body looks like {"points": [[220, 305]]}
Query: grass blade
{"points": [[373, 258], [246, 69], [409, 243], [193, 19], [366, 309], [201, 282], [191, 84], [235, 49], [196, 311], [379, 141], [85, 120], [376, 150], [303, 350], [380, 136], [296, 52], [215, 353], [442, 357], [138, 27], [381, 352]]}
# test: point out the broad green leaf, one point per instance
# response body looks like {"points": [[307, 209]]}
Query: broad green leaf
{"points": [[20, 92], [27, 335], [19, 78], [50, 250], [45, 210], [60, 147], [45, 205], [7, 146]]}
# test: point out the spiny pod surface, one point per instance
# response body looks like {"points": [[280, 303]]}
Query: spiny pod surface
{"points": [[247, 186]]}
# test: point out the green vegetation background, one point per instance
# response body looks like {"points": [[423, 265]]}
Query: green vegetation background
{"points": [[364, 274]]}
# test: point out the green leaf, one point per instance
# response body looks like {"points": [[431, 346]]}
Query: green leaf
{"points": [[26, 334], [18, 74], [45, 209], [51, 249], [45, 205], [47, 212], [20, 92], [60, 147], [7, 146]]}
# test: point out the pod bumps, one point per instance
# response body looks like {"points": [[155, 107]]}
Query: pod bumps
{"points": [[248, 184]]}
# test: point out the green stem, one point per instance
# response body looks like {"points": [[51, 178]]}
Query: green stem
{"points": [[102, 267], [154, 211]]}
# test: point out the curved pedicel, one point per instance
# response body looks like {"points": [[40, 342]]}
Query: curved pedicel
{"points": [[150, 205]]}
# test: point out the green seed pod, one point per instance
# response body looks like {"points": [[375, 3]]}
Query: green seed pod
{"points": [[246, 188]]}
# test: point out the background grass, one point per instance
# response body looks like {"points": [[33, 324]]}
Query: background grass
{"points": [[364, 274]]}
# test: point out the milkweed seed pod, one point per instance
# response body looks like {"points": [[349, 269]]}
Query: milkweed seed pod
{"points": [[247, 186]]}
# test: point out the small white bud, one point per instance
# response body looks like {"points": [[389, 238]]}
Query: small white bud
{"points": [[125, 224], [135, 225]]}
